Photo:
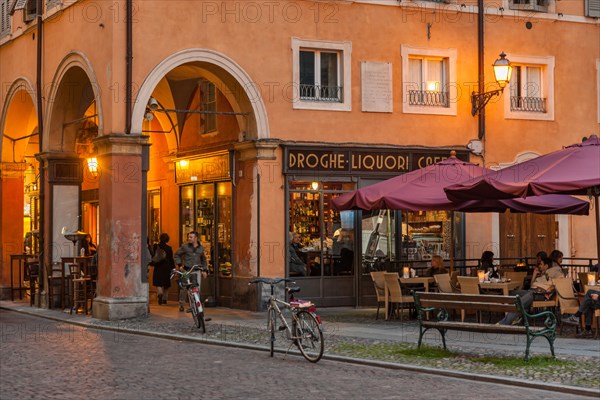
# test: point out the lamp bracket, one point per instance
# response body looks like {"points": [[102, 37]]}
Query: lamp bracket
{"points": [[480, 100]]}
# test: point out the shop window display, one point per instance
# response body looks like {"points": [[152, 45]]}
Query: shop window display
{"points": [[326, 236]]}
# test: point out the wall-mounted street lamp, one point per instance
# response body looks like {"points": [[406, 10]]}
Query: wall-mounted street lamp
{"points": [[92, 164], [502, 72]]}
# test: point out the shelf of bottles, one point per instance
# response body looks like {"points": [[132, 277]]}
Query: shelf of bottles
{"points": [[305, 215], [426, 233]]}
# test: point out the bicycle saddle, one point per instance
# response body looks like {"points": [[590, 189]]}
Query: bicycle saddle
{"points": [[293, 289]]}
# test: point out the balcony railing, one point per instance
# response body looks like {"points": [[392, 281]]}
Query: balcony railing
{"points": [[428, 98], [328, 94], [528, 104]]}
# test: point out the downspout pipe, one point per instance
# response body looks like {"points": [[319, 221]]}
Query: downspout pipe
{"points": [[258, 225], [40, 121], [128, 66], [480, 60]]}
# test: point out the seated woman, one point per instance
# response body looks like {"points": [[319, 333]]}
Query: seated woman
{"points": [[437, 267], [487, 264]]}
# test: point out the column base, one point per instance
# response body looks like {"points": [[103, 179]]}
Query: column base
{"points": [[112, 309]]}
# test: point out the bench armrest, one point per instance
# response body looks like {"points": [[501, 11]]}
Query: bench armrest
{"points": [[550, 320]]}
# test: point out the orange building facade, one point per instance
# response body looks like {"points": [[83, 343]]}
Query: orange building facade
{"points": [[241, 120]]}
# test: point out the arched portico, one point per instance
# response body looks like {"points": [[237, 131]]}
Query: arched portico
{"points": [[20, 141], [242, 93]]}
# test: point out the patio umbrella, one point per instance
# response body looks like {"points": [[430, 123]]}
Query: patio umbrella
{"points": [[423, 190], [572, 170]]}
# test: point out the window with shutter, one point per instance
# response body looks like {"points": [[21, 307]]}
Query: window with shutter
{"points": [[4, 17], [592, 8], [530, 5], [30, 11]]}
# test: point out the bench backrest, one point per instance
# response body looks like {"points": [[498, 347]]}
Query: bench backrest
{"points": [[466, 301]]}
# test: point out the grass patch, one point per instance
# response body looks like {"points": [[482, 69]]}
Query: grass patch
{"points": [[387, 350], [517, 362]]}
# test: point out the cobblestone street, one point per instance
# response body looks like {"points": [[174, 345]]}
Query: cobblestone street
{"points": [[42, 359]]}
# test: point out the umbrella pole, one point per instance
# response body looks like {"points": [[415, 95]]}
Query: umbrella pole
{"points": [[452, 241], [597, 227]]}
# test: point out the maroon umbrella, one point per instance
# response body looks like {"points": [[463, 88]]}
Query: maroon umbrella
{"points": [[423, 190], [572, 170]]}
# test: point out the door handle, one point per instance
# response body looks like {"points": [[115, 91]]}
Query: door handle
{"points": [[541, 236], [510, 236]]}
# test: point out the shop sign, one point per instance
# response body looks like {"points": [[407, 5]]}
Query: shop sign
{"points": [[203, 169], [365, 161]]}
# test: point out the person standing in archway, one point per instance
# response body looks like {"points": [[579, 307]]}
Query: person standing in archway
{"points": [[163, 263]]}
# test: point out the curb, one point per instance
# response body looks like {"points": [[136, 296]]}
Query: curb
{"points": [[553, 387]]}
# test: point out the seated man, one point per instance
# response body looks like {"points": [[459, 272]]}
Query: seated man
{"points": [[541, 284], [297, 267], [589, 303]]}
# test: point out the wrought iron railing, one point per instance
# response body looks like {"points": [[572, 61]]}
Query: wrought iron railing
{"points": [[529, 104], [329, 94], [428, 98]]}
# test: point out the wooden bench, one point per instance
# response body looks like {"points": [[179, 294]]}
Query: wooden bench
{"points": [[438, 304]]}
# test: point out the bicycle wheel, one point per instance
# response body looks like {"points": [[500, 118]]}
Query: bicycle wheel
{"points": [[309, 336], [201, 323], [194, 309], [271, 322]]}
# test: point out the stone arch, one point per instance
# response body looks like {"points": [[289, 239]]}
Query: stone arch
{"points": [[74, 81], [224, 71], [17, 120]]}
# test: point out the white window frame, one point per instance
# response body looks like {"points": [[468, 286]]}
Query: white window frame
{"points": [[448, 54], [344, 64], [547, 64]]}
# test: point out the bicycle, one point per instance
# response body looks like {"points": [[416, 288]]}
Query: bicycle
{"points": [[305, 330], [185, 282]]}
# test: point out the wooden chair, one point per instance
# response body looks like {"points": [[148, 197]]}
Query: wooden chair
{"points": [[56, 283], [468, 285], [379, 284], [583, 279], [394, 294], [567, 298], [443, 283], [33, 273], [597, 316], [516, 277], [80, 292]]}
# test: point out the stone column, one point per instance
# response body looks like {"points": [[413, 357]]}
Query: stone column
{"points": [[122, 288]]}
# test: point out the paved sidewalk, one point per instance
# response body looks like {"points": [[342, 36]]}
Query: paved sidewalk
{"points": [[341, 325]]}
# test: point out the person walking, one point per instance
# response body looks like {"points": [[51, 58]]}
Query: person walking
{"points": [[163, 263], [188, 255]]}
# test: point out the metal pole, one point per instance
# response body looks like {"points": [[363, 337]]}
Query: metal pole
{"points": [[480, 60], [597, 228]]}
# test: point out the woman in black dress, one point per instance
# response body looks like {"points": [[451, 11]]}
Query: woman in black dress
{"points": [[163, 263]]}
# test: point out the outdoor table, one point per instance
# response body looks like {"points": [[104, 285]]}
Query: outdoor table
{"points": [[418, 280], [506, 287]]}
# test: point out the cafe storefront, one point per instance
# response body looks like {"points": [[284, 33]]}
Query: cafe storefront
{"points": [[205, 206], [340, 249]]}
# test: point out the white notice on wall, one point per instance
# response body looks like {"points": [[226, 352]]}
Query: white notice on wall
{"points": [[376, 87]]}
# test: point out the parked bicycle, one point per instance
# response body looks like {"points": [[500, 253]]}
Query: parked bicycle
{"points": [[305, 328], [192, 288]]}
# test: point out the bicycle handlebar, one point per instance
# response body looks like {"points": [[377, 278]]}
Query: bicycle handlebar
{"points": [[192, 269], [271, 281]]}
